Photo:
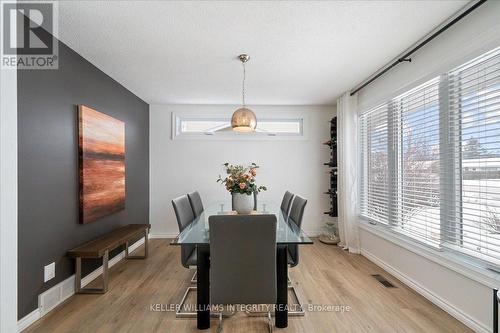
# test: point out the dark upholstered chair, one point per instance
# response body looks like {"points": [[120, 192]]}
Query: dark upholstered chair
{"points": [[296, 215], [185, 216], [242, 260], [196, 204], [286, 203]]}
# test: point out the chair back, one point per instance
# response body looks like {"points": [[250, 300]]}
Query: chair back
{"points": [[286, 202], [196, 204], [183, 212], [296, 215], [242, 259], [297, 210], [185, 216]]}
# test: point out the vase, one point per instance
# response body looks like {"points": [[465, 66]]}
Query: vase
{"points": [[243, 203]]}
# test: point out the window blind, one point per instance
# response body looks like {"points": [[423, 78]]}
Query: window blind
{"points": [[416, 121], [375, 172], [474, 108], [430, 161]]}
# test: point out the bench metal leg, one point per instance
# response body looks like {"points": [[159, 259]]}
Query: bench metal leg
{"points": [[105, 277], [127, 256]]}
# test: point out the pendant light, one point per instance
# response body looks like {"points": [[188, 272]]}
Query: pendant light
{"points": [[243, 119]]}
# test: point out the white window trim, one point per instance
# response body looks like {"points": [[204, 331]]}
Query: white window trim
{"points": [[234, 136], [460, 253], [8, 200], [472, 269]]}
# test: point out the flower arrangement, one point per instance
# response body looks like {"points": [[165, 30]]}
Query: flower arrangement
{"points": [[241, 179]]}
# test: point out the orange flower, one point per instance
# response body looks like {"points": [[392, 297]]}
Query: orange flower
{"points": [[253, 172], [243, 185]]}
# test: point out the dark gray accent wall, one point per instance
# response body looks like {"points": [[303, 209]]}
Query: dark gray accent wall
{"points": [[48, 166]]}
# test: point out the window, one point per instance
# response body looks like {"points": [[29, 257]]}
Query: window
{"points": [[430, 161], [416, 128], [374, 156], [203, 127], [474, 99]]}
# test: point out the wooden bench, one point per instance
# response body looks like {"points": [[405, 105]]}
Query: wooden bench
{"points": [[100, 248]]}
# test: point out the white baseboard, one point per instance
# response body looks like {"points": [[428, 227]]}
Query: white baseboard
{"points": [[54, 296], [29, 319], [314, 233], [163, 235], [453, 311]]}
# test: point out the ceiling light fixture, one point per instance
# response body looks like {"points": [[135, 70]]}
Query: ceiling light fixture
{"points": [[243, 119]]}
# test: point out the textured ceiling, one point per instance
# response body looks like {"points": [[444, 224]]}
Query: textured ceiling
{"points": [[301, 52]]}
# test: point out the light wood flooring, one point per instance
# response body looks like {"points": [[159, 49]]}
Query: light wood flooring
{"points": [[326, 275]]}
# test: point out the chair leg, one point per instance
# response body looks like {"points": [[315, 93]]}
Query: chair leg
{"points": [[300, 311], [194, 278], [180, 313], [269, 322], [219, 327]]}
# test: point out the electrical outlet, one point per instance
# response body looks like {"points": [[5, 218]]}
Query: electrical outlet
{"points": [[49, 272]]}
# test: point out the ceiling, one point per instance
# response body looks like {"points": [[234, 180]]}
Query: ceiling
{"points": [[302, 52]]}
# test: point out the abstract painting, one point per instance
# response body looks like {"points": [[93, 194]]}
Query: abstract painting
{"points": [[101, 146]]}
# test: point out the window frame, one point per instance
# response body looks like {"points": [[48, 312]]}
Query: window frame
{"points": [[178, 117], [451, 161]]}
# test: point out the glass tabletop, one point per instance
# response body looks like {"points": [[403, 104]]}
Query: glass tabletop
{"points": [[198, 231]]}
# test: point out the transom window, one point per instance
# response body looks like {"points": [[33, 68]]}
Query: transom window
{"points": [[186, 126]]}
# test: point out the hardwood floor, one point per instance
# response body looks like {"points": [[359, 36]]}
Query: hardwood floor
{"points": [[326, 275]]}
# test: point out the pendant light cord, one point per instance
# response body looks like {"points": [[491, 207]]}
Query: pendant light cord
{"points": [[243, 84]]}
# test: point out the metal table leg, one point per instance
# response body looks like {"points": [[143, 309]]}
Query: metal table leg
{"points": [[203, 287], [282, 287]]}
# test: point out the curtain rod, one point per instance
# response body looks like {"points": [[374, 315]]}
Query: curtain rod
{"points": [[404, 57]]}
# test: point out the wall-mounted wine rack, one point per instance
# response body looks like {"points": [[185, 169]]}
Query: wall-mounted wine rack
{"points": [[332, 164]]}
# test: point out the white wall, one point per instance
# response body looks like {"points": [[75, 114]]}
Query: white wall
{"points": [[182, 166], [463, 297], [475, 34], [8, 200]]}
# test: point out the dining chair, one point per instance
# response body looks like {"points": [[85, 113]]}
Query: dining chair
{"points": [[185, 216], [286, 203], [243, 261], [196, 204], [296, 214]]}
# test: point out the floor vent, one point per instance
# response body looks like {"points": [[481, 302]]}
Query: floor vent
{"points": [[383, 280]]}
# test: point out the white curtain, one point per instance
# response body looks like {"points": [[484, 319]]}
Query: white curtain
{"points": [[347, 150]]}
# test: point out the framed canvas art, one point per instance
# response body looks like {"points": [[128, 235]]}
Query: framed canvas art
{"points": [[101, 147]]}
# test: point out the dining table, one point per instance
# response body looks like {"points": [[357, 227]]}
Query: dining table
{"points": [[198, 233]]}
